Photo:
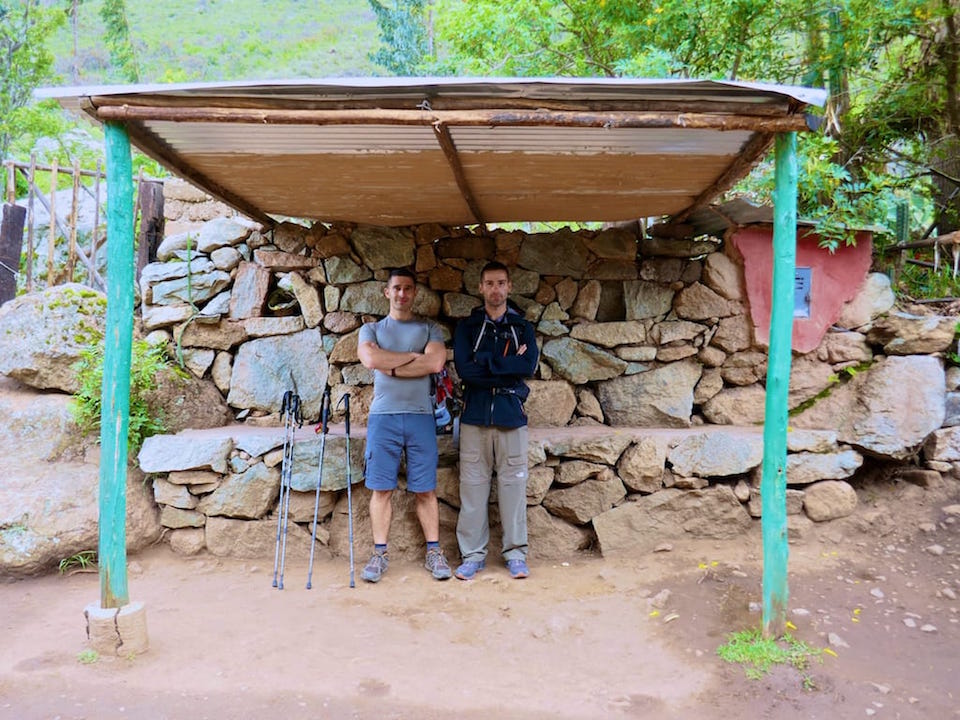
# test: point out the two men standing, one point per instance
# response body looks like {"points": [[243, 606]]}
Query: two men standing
{"points": [[494, 350]]}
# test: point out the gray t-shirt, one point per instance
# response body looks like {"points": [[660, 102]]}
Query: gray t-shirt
{"points": [[395, 394]]}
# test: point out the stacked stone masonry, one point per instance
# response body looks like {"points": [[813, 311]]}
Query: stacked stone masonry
{"points": [[645, 409]]}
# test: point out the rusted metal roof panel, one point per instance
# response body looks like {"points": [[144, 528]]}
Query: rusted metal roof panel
{"points": [[398, 151]]}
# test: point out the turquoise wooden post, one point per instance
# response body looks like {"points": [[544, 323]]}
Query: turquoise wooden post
{"points": [[773, 485], [115, 394]]}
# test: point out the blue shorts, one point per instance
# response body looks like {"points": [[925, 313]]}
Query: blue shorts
{"points": [[387, 436]]}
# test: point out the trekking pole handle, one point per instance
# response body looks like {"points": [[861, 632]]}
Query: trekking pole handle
{"points": [[324, 412], [345, 401]]}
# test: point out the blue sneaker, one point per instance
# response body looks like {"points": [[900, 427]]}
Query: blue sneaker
{"points": [[375, 568], [518, 568], [470, 568]]}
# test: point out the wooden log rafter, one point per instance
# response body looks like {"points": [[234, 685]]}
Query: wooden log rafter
{"points": [[755, 147], [453, 158], [486, 118], [156, 148], [439, 103]]}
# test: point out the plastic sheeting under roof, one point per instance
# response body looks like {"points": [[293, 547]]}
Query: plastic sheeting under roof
{"points": [[405, 151]]}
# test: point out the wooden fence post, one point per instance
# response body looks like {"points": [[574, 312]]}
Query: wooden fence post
{"points": [[11, 245], [31, 193], [74, 219], [150, 203], [52, 236]]}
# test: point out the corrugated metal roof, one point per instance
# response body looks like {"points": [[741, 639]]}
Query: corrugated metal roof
{"points": [[399, 151]]}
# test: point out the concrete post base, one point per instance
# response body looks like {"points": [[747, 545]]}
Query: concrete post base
{"points": [[117, 631]]}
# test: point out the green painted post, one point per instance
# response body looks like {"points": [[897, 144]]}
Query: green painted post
{"points": [[773, 485], [115, 394]]}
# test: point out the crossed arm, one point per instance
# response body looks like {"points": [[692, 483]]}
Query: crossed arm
{"points": [[403, 364]]}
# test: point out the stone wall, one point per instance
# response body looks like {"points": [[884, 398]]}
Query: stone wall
{"points": [[647, 350], [186, 208]]}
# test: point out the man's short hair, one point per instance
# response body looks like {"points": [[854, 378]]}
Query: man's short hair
{"points": [[494, 265], [401, 272]]}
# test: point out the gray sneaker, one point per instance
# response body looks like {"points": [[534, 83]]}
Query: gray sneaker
{"points": [[375, 568], [437, 565]]}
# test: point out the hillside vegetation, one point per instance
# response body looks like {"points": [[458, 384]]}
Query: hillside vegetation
{"points": [[215, 40]]}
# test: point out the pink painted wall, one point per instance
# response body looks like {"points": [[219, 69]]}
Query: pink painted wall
{"points": [[836, 278]]}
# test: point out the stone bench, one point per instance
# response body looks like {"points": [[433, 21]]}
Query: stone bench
{"points": [[624, 489]]}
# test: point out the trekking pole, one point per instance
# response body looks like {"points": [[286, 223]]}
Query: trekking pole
{"points": [[286, 475], [321, 428], [284, 407], [346, 412]]}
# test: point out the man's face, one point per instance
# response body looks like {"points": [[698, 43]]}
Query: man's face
{"points": [[495, 286], [401, 291]]}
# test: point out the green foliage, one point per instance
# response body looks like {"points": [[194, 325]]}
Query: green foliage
{"points": [[88, 656], [841, 376], [118, 40], [749, 39], [146, 362], [25, 62], [758, 654], [953, 357], [884, 87], [403, 32], [81, 560], [208, 40], [917, 281], [829, 194]]}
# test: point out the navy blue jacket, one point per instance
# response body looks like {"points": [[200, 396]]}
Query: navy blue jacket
{"points": [[485, 355]]}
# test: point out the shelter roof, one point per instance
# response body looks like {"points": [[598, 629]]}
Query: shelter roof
{"points": [[459, 151]]}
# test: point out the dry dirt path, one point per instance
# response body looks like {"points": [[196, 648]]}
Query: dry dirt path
{"points": [[591, 639]]}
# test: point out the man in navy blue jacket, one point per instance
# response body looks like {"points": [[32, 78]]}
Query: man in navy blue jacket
{"points": [[494, 350]]}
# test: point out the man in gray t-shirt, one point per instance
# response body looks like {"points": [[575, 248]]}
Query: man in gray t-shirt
{"points": [[403, 350]]}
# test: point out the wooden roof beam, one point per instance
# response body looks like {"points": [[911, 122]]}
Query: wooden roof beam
{"points": [[161, 152], [485, 118], [755, 147], [453, 158]]}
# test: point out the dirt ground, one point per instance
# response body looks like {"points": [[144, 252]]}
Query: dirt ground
{"points": [[591, 638]]}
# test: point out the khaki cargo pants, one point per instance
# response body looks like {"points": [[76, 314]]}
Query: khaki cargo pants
{"points": [[484, 450]]}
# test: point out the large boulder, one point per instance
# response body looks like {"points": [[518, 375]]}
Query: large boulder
{"points": [[39, 425], [49, 487], [42, 335], [49, 513], [874, 412]]}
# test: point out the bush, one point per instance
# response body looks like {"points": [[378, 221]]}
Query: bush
{"points": [[145, 420]]}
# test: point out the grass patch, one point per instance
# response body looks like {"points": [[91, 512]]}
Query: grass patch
{"points": [[758, 654], [87, 657], [82, 560], [842, 376]]}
